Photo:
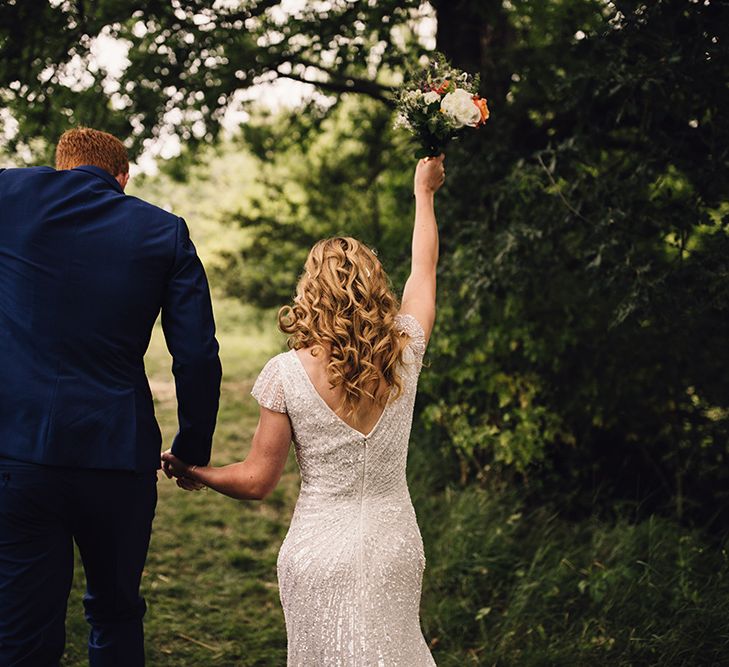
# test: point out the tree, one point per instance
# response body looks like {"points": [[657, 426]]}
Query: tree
{"points": [[585, 283], [188, 60]]}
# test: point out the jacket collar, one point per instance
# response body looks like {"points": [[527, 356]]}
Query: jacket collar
{"points": [[100, 173]]}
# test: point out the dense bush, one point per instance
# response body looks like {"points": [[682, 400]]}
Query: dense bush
{"points": [[585, 300]]}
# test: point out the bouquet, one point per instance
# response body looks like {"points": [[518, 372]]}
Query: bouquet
{"points": [[438, 104]]}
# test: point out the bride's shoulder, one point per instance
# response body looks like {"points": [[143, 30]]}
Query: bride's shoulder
{"points": [[268, 388], [277, 362], [409, 325]]}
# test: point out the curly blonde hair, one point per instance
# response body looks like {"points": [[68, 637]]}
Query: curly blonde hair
{"points": [[344, 306]]}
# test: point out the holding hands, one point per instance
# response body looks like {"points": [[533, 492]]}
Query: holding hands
{"points": [[181, 472], [252, 479]]}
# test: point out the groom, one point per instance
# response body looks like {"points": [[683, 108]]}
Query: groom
{"points": [[84, 272]]}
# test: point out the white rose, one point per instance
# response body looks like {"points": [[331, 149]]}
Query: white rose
{"points": [[431, 97], [459, 107]]}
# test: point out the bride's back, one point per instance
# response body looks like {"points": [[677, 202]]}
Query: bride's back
{"points": [[337, 458], [342, 325], [368, 411]]}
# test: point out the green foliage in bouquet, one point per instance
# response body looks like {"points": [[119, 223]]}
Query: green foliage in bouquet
{"points": [[420, 104]]}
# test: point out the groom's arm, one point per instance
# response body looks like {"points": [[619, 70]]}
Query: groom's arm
{"points": [[189, 328]]}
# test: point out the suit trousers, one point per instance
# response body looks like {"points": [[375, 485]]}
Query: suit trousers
{"points": [[42, 511]]}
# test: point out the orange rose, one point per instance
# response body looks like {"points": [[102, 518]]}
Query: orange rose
{"points": [[482, 107], [442, 88]]}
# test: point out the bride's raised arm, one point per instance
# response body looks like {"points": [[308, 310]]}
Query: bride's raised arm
{"points": [[418, 297]]}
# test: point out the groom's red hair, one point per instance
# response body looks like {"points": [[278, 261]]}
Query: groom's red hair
{"points": [[84, 145]]}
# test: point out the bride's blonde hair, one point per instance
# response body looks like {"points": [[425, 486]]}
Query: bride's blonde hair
{"points": [[344, 305]]}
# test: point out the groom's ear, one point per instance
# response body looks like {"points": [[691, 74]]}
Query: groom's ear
{"points": [[123, 179]]}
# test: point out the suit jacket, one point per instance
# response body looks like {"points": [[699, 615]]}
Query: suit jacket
{"points": [[84, 272]]}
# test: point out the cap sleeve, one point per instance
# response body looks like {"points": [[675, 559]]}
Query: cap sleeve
{"points": [[268, 388], [409, 325]]}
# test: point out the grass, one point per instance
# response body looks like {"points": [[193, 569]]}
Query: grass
{"points": [[508, 584]]}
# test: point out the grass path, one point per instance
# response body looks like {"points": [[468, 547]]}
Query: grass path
{"points": [[210, 578]]}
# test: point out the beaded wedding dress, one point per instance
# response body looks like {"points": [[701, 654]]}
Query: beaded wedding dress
{"points": [[350, 569]]}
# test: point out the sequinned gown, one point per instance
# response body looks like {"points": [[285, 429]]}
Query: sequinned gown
{"points": [[351, 566]]}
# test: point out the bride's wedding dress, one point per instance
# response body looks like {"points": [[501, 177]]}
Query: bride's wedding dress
{"points": [[350, 569]]}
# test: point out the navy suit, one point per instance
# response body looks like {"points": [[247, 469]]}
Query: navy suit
{"points": [[84, 272]]}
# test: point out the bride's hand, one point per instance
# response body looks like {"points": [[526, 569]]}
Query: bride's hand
{"points": [[429, 175], [188, 484], [181, 471]]}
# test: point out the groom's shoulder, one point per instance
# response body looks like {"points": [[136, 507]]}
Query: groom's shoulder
{"points": [[15, 173], [26, 171], [22, 180], [151, 211]]}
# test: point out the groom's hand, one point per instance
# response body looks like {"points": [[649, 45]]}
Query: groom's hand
{"points": [[174, 467], [166, 469]]}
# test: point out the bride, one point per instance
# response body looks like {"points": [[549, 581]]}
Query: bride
{"points": [[350, 569]]}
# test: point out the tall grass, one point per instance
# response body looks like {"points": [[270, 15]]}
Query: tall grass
{"points": [[508, 584]]}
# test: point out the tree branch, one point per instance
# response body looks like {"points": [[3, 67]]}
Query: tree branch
{"points": [[300, 60], [556, 187], [347, 84]]}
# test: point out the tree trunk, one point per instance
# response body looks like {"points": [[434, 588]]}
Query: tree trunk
{"points": [[474, 35]]}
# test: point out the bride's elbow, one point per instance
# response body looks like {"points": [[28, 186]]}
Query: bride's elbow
{"points": [[265, 491], [253, 482], [254, 495], [258, 490]]}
